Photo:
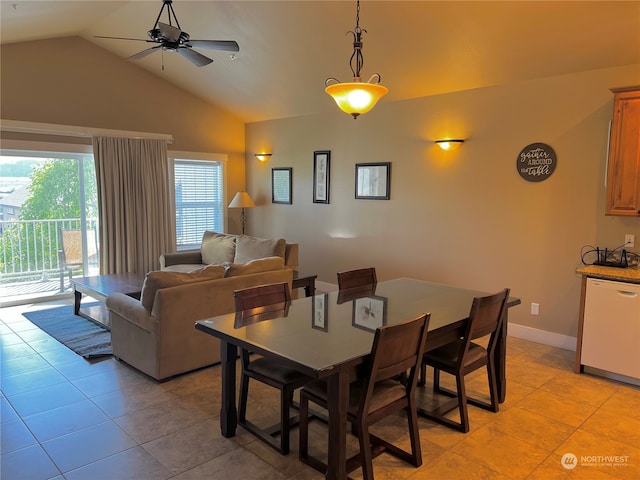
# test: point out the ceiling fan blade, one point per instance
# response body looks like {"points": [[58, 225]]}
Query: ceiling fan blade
{"points": [[194, 57], [123, 38], [226, 45], [143, 53], [169, 32]]}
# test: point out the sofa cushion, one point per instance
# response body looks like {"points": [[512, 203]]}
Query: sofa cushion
{"points": [[163, 279], [250, 248], [217, 248], [258, 265], [185, 267]]}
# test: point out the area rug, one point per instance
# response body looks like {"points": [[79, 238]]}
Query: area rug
{"points": [[84, 337]]}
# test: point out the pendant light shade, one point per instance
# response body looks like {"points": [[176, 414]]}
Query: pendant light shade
{"points": [[357, 97]]}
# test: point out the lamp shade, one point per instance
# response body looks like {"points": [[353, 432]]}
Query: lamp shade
{"points": [[242, 200], [356, 98]]}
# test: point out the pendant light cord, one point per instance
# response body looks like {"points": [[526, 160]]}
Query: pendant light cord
{"points": [[356, 97], [357, 45]]}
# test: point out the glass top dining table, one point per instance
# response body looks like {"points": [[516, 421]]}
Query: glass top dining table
{"points": [[327, 335]]}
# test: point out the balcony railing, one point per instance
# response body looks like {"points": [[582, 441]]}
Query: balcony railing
{"points": [[31, 259]]}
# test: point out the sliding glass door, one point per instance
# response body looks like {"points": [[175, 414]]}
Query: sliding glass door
{"points": [[48, 222]]}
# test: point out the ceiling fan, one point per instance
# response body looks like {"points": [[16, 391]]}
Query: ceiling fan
{"points": [[172, 38]]}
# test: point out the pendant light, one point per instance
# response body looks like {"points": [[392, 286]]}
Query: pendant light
{"points": [[357, 97]]}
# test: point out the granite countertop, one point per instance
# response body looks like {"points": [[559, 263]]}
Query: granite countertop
{"points": [[629, 274]]}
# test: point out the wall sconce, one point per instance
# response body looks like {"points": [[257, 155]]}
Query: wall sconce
{"points": [[452, 144], [263, 157]]}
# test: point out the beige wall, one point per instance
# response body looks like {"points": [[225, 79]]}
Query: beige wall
{"points": [[464, 217], [70, 81]]}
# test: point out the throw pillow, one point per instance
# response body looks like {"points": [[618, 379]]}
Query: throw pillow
{"points": [[217, 248], [250, 248], [163, 279], [259, 265]]}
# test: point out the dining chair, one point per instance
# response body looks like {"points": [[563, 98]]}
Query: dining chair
{"points": [[372, 397], [259, 302], [464, 356], [350, 294], [361, 277]]}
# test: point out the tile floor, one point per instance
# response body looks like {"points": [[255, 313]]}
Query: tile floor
{"points": [[65, 417]]}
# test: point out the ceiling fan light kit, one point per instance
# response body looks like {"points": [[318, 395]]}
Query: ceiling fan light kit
{"points": [[357, 97], [172, 38]]}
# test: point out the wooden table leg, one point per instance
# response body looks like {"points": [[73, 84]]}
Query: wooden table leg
{"points": [[500, 359], [228, 412], [77, 297], [310, 289], [338, 403]]}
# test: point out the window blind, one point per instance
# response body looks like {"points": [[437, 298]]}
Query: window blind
{"points": [[199, 202]]}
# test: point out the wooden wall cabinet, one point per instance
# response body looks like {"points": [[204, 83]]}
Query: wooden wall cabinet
{"points": [[623, 173]]}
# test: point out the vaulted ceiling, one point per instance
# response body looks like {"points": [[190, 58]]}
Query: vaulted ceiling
{"points": [[289, 48]]}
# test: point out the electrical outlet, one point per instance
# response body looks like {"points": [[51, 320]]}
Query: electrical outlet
{"points": [[535, 308], [630, 240]]}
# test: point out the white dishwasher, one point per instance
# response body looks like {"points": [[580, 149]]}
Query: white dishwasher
{"points": [[611, 330]]}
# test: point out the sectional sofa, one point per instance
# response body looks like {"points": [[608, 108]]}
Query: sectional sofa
{"points": [[156, 333]]}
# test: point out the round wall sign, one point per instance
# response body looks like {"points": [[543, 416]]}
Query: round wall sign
{"points": [[536, 162]]}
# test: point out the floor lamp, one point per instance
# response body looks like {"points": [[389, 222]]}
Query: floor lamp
{"points": [[242, 200]]}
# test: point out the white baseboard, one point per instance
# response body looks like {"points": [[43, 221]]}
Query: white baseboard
{"points": [[542, 336]]}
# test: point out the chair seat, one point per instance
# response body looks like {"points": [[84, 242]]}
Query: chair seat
{"points": [[276, 371], [384, 393], [447, 355]]}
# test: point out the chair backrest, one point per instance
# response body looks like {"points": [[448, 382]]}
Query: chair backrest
{"points": [[484, 319], [72, 245], [396, 349], [253, 297], [486, 314], [260, 314], [357, 278], [349, 294]]}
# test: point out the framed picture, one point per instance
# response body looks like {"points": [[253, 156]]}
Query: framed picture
{"points": [[320, 312], [321, 170], [373, 180], [369, 313], [281, 188]]}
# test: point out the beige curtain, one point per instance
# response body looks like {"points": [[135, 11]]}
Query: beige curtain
{"points": [[134, 203]]}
